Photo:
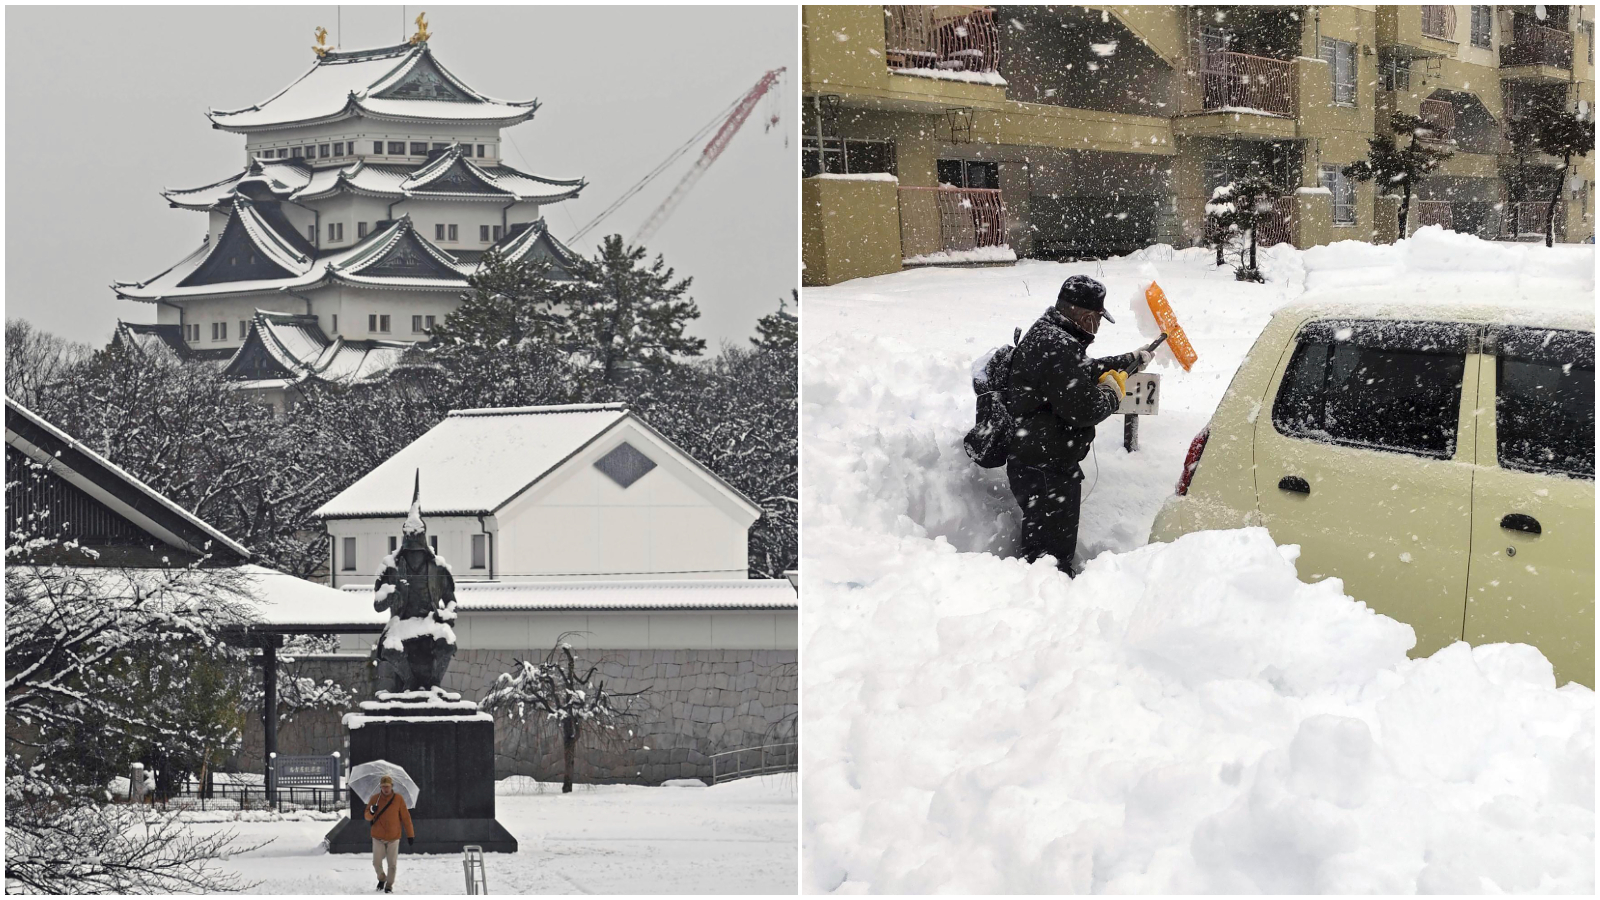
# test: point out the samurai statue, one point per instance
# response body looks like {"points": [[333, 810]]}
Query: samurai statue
{"points": [[417, 589]]}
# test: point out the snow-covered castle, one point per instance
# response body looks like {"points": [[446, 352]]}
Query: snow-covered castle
{"points": [[373, 186]]}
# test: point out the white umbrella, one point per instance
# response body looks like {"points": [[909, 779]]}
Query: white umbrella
{"points": [[365, 777]]}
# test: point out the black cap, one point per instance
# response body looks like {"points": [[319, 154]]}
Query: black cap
{"points": [[1084, 293]]}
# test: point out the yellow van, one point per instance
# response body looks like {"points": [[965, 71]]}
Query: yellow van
{"points": [[1439, 459]]}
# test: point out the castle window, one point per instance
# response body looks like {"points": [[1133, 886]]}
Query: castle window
{"points": [[433, 541], [416, 324], [438, 232], [480, 150], [483, 233], [335, 323], [498, 229], [441, 146], [219, 331], [480, 551], [311, 233], [394, 543], [283, 152], [322, 151], [377, 147], [397, 148], [361, 229], [348, 564], [338, 148], [336, 231], [378, 324], [452, 233], [244, 329], [295, 152], [419, 149], [427, 322]]}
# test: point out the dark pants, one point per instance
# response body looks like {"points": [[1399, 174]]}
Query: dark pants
{"points": [[1049, 501]]}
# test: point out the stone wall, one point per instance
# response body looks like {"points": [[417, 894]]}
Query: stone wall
{"points": [[698, 702]]}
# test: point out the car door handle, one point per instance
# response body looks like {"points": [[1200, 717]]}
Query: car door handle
{"points": [[1294, 483], [1521, 522]]}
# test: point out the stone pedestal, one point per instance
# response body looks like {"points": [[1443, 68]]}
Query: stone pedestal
{"points": [[447, 747]]}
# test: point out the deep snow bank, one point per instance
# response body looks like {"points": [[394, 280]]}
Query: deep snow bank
{"points": [[1181, 718], [1184, 717]]}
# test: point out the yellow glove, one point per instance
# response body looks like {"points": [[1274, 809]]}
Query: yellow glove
{"points": [[1121, 378]]}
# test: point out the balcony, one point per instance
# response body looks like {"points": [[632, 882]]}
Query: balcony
{"points": [[1525, 219], [1238, 82], [1536, 45], [923, 39], [1441, 118], [952, 225]]}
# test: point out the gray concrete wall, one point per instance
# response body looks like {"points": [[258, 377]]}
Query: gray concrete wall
{"points": [[700, 702]]}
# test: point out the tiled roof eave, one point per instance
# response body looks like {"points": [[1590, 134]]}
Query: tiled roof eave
{"points": [[256, 287], [389, 283], [351, 110], [501, 122]]}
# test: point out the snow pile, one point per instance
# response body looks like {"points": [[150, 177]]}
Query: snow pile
{"points": [[1184, 717], [993, 254], [1181, 718], [857, 176], [991, 77]]}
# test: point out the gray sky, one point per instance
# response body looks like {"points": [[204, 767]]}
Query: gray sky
{"points": [[105, 107]]}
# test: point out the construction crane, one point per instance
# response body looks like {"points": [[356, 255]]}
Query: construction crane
{"points": [[719, 142]]}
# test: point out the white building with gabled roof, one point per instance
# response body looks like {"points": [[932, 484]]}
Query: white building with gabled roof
{"points": [[372, 188], [548, 494]]}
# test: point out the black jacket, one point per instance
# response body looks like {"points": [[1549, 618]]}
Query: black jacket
{"points": [[1055, 396]]}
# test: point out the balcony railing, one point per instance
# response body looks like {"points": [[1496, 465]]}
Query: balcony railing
{"points": [[1533, 44], [1440, 116], [1439, 22], [1433, 212], [1240, 81], [1525, 219], [915, 38], [950, 220]]}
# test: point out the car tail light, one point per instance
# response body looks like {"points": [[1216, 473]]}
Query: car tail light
{"points": [[1191, 460]]}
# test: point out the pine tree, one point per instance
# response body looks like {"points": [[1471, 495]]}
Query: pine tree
{"points": [[512, 303], [1563, 133], [1238, 208], [1222, 218], [624, 316], [1392, 165], [779, 330]]}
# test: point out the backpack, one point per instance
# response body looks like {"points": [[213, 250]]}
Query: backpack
{"points": [[989, 441]]}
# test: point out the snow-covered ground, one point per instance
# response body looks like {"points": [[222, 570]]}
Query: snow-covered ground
{"points": [[736, 838], [1183, 717]]}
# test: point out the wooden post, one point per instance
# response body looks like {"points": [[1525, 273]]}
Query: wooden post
{"points": [[269, 707], [1130, 433]]}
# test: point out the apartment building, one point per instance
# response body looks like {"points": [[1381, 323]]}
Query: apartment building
{"points": [[976, 135]]}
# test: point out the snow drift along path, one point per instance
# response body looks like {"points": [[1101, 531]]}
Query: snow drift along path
{"points": [[1183, 717]]}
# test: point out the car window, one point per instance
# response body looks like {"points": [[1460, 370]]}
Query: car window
{"points": [[1544, 400], [1383, 385]]}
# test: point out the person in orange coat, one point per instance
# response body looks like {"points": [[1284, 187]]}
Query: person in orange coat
{"points": [[388, 814]]}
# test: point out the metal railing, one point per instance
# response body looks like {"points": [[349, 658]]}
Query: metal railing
{"points": [[770, 759], [950, 219], [1241, 81], [228, 797], [1440, 116], [1432, 212], [1439, 22], [915, 38], [1533, 44], [1525, 219]]}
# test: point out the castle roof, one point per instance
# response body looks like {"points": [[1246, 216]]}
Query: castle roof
{"points": [[260, 252], [403, 83], [448, 175], [287, 348]]}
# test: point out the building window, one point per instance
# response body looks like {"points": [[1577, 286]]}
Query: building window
{"points": [[1344, 194], [441, 146], [416, 324], [427, 322], [244, 328], [1482, 26], [452, 233], [419, 149], [322, 151], [361, 229], [283, 152], [1395, 72], [433, 541], [483, 233], [438, 232], [498, 232], [480, 551], [338, 148], [214, 331], [311, 233], [348, 563], [397, 148], [377, 323], [295, 152], [1341, 59], [394, 543], [966, 173], [336, 323], [377, 147], [480, 150]]}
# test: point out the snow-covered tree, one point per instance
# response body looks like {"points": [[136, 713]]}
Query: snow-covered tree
{"points": [[779, 330], [1564, 133], [624, 316], [556, 692], [1222, 219], [1237, 208], [37, 362], [1400, 161]]}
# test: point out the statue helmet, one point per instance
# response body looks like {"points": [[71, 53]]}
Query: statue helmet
{"points": [[414, 533]]}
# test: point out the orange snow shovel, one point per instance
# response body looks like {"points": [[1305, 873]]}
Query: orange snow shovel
{"points": [[1176, 339]]}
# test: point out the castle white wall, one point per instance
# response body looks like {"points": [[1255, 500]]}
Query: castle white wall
{"points": [[372, 545], [363, 132]]}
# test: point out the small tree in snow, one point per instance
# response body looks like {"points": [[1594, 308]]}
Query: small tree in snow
{"points": [[1564, 133], [1222, 220], [1400, 162], [558, 693], [1238, 208]]}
